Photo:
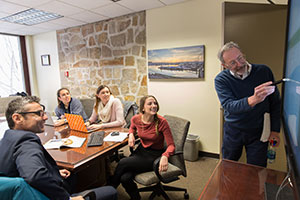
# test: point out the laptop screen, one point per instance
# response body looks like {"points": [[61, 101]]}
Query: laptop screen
{"points": [[49, 121]]}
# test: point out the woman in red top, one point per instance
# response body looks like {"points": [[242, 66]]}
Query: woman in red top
{"points": [[153, 130]]}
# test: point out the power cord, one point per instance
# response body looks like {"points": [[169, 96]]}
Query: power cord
{"points": [[283, 184]]}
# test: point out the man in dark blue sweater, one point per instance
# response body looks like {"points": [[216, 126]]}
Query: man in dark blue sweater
{"points": [[246, 94]]}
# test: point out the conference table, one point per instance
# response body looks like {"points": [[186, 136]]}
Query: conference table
{"points": [[75, 158], [233, 180], [88, 163]]}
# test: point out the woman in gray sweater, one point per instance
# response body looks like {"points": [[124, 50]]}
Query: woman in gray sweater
{"points": [[68, 104]]}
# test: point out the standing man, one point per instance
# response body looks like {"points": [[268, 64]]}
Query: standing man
{"points": [[246, 94], [23, 155]]}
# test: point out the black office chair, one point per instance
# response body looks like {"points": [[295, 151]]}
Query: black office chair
{"points": [[153, 180], [130, 109]]}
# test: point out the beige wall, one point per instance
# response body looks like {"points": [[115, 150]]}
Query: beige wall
{"points": [[192, 23], [47, 77]]}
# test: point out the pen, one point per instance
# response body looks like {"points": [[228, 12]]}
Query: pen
{"points": [[277, 82], [280, 81]]}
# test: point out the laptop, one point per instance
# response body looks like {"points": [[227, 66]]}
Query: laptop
{"points": [[76, 123], [49, 121]]}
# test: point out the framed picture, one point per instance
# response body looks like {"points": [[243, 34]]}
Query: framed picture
{"points": [[45, 60], [176, 63]]}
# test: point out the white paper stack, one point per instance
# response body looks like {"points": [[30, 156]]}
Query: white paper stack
{"points": [[116, 138]]}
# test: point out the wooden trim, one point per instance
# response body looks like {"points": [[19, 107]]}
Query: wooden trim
{"points": [[25, 65]]}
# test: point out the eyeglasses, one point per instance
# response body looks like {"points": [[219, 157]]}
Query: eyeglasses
{"points": [[40, 113], [240, 60]]}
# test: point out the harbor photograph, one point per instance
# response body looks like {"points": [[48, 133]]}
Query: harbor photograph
{"points": [[176, 63]]}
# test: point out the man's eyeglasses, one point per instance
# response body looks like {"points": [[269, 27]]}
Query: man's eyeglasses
{"points": [[40, 113], [240, 60]]}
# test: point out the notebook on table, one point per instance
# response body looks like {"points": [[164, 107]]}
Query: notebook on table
{"points": [[76, 123]]}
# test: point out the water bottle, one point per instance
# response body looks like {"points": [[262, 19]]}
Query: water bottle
{"points": [[272, 151]]}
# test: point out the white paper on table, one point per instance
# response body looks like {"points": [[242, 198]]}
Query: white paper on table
{"points": [[71, 142], [116, 138]]}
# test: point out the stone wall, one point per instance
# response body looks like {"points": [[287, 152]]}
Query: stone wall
{"points": [[110, 52]]}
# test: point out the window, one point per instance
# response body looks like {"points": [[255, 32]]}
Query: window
{"points": [[11, 66]]}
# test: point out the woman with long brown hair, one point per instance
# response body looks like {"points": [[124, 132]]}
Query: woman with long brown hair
{"points": [[68, 104], [108, 110], [153, 130]]}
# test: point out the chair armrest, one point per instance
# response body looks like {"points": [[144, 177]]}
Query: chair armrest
{"points": [[156, 170]]}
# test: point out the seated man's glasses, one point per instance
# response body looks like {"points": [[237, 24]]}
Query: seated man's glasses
{"points": [[40, 113]]}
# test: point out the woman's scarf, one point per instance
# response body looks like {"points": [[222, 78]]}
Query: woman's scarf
{"points": [[105, 111]]}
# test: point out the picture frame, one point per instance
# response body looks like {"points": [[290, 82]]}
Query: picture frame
{"points": [[45, 60], [176, 63]]}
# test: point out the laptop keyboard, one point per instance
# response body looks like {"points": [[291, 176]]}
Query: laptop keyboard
{"points": [[96, 139]]}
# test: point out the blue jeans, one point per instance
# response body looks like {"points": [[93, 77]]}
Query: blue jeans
{"points": [[234, 139]]}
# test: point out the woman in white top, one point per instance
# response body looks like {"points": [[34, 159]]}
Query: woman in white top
{"points": [[107, 112]]}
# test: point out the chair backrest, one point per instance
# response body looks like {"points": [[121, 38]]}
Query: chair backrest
{"points": [[130, 109], [4, 101], [88, 105], [179, 128], [17, 188]]}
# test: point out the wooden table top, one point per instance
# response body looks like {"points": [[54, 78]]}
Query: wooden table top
{"points": [[73, 158], [233, 180]]}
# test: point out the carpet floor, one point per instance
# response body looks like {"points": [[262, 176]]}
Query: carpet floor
{"points": [[198, 173]]}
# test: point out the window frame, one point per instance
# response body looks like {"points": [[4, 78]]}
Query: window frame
{"points": [[24, 61]]}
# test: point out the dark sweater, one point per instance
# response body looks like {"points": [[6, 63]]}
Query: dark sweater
{"points": [[75, 107], [23, 155], [233, 94]]}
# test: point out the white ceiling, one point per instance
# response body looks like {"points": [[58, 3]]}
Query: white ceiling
{"points": [[75, 12]]}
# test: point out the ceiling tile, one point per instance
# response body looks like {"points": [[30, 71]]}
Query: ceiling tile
{"points": [[3, 14], [88, 17], [29, 30], [29, 3], [138, 5], [112, 10], [75, 12], [87, 4], [14, 32], [67, 22], [60, 8], [169, 2], [11, 8], [50, 26], [11, 26]]}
